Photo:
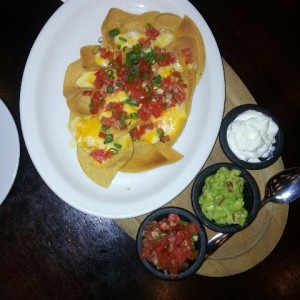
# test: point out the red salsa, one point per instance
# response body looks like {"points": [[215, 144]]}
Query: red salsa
{"points": [[170, 243]]}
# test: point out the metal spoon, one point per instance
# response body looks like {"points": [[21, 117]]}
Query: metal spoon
{"points": [[283, 187]]}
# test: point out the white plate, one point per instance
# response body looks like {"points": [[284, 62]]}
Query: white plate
{"points": [[44, 114], [9, 151]]}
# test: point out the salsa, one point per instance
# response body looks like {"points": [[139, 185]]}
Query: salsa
{"points": [[170, 243], [222, 197]]}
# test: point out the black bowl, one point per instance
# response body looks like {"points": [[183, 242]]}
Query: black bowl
{"points": [[251, 197], [264, 162], [201, 243]]}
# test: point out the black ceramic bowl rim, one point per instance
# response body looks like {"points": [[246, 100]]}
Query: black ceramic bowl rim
{"points": [[201, 243], [250, 186], [231, 156]]}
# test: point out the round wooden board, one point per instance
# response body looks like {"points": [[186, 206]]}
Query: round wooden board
{"points": [[249, 247]]}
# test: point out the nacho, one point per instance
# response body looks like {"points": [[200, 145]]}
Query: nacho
{"points": [[130, 95]]}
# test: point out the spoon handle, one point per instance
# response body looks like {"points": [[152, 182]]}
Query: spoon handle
{"points": [[219, 239], [216, 242]]}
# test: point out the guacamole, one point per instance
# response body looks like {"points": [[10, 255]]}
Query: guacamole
{"points": [[222, 197]]}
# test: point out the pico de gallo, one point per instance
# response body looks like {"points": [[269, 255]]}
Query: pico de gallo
{"points": [[135, 85], [170, 243]]}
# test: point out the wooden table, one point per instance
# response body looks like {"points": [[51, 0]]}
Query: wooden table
{"points": [[49, 250]]}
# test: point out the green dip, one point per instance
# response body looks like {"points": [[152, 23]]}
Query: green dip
{"points": [[222, 197]]}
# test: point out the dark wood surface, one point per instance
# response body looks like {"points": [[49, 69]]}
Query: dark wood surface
{"points": [[49, 250]]}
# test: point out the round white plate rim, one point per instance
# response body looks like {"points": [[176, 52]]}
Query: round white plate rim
{"points": [[55, 176], [9, 151]]}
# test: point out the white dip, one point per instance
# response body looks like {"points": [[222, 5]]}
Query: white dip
{"points": [[251, 135]]}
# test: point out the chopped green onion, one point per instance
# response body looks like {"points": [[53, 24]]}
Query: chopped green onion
{"points": [[159, 57], [157, 80], [125, 123], [147, 89], [113, 151], [132, 58], [122, 39], [123, 117], [150, 57], [110, 73], [131, 102], [119, 84], [104, 128], [160, 132], [96, 49], [184, 223], [114, 32], [119, 146], [134, 116], [108, 139], [110, 89]]}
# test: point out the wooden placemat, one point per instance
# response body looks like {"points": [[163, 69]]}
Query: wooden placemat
{"points": [[249, 247]]}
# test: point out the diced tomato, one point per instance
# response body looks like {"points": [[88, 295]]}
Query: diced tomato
{"points": [[173, 219], [164, 58], [136, 91], [156, 108], [192, 228], [96, 103], [152, 33], [164, 226], [144, 114], [145, 70], [187, 52], [137, 132], [109, 122], [169, 243], [87, 93], [102, 134], [118, 57], [164, 138], [102, 78], [100, 155], [145, 42], [106, 54], [168, 80]]}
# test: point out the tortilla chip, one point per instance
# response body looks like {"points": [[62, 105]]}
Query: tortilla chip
{"points": [[87, 54], [103, 174], [80, 104], [149, 156], [114, 19], [188, 28], [139, 22], [167, 21], [73, 72]]}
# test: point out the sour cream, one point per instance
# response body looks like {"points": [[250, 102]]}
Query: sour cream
{"points": [[252, 136]]}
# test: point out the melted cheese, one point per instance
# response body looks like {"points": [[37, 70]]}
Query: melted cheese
{"points": [[117, 97], [128, 39], [100, 61], [165, 71], [86, 79], [150, 136], [172, 120], [163, 40], [86, 132]]}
